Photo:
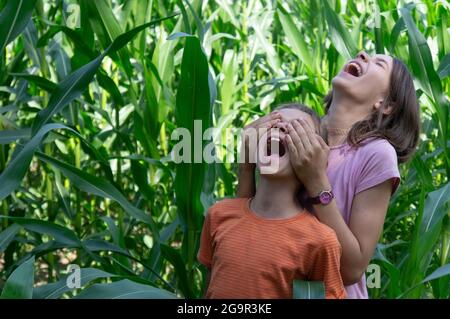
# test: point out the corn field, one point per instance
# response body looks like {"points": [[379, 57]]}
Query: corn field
{"points": [[91, 92]]}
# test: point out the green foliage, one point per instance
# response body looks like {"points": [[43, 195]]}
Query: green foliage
{"points": [[20, 284], [89, 99], [308, 290]]}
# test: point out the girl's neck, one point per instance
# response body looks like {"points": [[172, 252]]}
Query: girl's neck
{"points": [[276, 198], [341, 116]]}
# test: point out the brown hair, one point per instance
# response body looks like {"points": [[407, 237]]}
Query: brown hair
{"points": [[303, 108], [401, 126]]}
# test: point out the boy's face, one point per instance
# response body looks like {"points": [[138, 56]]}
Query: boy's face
{"points": [[273, 154]]}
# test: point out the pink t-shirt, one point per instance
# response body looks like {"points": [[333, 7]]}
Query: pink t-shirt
{"points": [[353, 170]]}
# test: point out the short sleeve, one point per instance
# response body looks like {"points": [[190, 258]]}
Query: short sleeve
{"points": [[378, 162], [205, 251], [326, 268]]}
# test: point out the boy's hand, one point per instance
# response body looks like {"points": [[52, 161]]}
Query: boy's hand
{"points": [[251, 135], [308, 154]]}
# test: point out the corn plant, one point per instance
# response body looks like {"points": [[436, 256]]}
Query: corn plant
{"points": [[91, 93]]}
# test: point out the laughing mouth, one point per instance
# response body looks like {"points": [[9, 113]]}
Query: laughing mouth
{"points": [[354, 69], [278, 147]]}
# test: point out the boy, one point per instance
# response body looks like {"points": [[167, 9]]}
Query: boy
{"points": [[255, 247]]}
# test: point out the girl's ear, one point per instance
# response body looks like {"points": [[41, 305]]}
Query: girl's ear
{"points": [[383, 106]]}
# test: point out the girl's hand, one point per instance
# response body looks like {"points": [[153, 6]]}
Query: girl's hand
{"points": [[251, 135], [308, 154]]}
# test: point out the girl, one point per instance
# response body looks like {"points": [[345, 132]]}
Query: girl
{"points": [[372, 123]]}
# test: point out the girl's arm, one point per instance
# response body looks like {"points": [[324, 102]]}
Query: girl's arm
{"points": [[359, 238], [309, 155]]}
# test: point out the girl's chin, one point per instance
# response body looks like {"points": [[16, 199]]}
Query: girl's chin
{"points": [[344, 79]]}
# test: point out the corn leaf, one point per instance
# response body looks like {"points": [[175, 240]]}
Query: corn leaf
{"points": [[19, 285], [308, 289], [13, 20], [124, 289]]}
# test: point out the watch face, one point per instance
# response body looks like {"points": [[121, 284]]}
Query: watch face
{"points": [[326, 197]]}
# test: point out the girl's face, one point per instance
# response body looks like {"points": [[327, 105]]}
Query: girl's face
{"points": [[365, 79], [273, 155]]}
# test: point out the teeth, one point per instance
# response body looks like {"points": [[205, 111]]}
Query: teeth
{"points": [[358, 68]]}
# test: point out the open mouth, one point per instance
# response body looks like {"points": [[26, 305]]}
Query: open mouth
{"points": [[354, 69], [275, 147]]}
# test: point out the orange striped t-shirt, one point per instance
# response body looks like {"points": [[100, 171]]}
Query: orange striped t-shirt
{"points": [[252, 257]]}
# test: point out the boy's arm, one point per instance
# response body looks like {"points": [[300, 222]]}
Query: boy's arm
{"points": [[326, 268], [246, 180], [207, 280], [206, 251]]}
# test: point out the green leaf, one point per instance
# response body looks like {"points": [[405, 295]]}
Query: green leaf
{"points": [[74, 35], [19, 285], [441, 272], [436, 207], [7, 236], [57, 289], [192, 103], [398, 28], [421, 59], [230, 68], [13, 174], [438, 273], [340, 37], [15, 171], [295, 39], [107, 19], [444, 67], [126, 37], [67, 91], [76, 82], [174, 257], [109, 85], [64, 196], [116, 234], [41, 82], [97, 186], [42, 249], [101, 245], [62, 234], [379, 48], [308, 290], [9, 136], [423, 69], [124, 289], [13, 20], [187, 26]]}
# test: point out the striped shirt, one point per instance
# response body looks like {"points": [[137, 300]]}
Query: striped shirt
{"points": [[252, 257]]}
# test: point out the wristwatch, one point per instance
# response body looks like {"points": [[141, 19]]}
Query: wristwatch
{"points": [[324, 198]]}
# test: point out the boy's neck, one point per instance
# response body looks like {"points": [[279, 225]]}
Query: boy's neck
{"points": [[276, 198]]}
